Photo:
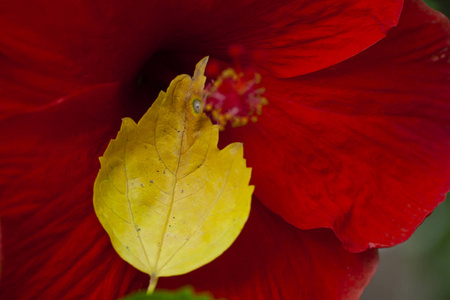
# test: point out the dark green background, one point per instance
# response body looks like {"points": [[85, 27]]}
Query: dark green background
{"points": [[441, 5]]}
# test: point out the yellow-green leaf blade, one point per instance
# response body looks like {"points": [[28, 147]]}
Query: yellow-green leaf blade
{"points": [[168, 198]]}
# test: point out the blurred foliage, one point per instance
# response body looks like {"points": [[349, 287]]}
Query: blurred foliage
{"points": [[419, 268], [429, 250], [185, 293], [441, 5]]}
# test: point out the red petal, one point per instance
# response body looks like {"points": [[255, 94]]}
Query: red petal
{"points": [[53, 245], [274, 260], [363, 147], [52, 48], [288, 38], [60, 251]]}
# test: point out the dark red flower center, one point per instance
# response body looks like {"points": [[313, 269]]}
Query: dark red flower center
{"points": [[235, 97]]}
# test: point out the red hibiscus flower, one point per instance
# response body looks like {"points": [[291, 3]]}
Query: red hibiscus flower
{"points": [[350, 154]]}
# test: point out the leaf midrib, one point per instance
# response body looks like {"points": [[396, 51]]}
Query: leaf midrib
{"points": [[175, 174]]}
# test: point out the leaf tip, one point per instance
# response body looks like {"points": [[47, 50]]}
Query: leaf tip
{"points": [[200, 68]]}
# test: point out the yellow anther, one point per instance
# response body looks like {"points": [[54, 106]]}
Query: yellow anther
{"points": [[235, 98]]}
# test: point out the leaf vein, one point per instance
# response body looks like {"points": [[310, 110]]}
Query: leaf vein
{"points": [[129, 204], [204, 219]]}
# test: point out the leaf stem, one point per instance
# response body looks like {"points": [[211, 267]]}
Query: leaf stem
{"points": [[152, 285]]}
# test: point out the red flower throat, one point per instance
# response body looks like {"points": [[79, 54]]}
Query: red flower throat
{"points": [[235, 97]]}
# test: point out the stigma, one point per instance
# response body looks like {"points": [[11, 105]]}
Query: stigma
{"points": [[235, 98]]}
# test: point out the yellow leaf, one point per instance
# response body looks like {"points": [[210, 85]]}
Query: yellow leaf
{"points": [[169, 199]]}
